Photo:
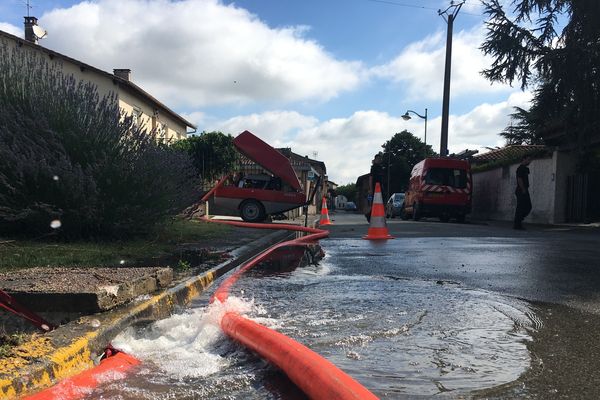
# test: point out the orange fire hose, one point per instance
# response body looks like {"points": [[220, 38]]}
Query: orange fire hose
{"points": [[316, 376], [79, 386]]}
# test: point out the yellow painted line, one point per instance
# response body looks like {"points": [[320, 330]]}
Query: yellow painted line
{"points": [[76, 357]]}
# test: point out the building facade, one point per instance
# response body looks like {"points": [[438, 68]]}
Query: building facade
{"points": [[150, 113]]}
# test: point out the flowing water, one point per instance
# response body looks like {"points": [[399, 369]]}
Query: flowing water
{"points": [[396, 336]]}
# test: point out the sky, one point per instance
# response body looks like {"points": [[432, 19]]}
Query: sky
{"points": [[328, 78]]}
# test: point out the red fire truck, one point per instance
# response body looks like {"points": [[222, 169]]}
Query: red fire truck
{"points": [[439, 187]]}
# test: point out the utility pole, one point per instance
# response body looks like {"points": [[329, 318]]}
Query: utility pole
{"points": [[449, 15]]}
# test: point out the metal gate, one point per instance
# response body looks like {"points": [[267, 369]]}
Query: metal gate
{"points": [[583, 198]]}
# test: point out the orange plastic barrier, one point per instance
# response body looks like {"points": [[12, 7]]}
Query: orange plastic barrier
{"points": [[79, 386], [316, 376]]}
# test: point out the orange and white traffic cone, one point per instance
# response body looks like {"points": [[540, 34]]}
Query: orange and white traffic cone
{"points": [[324, 214], [378, 229]]}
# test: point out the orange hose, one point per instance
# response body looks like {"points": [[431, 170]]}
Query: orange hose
{"points": [[316, 376], [79, 386]]}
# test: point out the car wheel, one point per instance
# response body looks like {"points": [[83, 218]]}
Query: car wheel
{"points": [[252, 211], [416, 215]]}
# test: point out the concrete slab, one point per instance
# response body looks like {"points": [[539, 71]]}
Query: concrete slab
{"points": [[82, 290], [73, 347]]}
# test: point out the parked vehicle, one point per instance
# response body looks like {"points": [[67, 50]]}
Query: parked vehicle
{"points": [[256, 196], [393, 207], [439, 187], [350, 206]]}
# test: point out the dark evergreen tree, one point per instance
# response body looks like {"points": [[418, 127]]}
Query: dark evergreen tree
{"points": [[530, 47]]}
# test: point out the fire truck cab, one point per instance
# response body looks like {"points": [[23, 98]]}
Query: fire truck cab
{"points": [[439, 187]]}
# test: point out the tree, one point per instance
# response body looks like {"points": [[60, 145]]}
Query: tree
{"points": [[213, 154], [401, 153], [562, 65], [523, 130], [348, 190]]}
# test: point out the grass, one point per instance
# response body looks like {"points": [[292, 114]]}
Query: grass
{"points": [[8, 343], [18, 254]]}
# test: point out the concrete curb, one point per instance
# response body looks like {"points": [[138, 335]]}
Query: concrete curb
{"points": [[73, 347]]}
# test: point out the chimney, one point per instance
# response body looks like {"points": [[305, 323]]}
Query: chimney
{"points": [[30, 35], [122, 73]]}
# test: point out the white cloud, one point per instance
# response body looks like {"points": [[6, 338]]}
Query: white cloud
{"points": [[480, 127], [275, 127], [421, 66], [347, 145], [13, 30], [200, 52]]}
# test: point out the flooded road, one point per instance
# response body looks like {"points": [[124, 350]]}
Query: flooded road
{"points": [[394, 335], [418, 317]]}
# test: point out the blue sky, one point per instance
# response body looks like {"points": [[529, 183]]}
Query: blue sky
{"points": [[329, 77]]}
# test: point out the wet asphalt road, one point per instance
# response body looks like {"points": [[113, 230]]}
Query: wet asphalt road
{"points": [[554, 264], [554, 268]]}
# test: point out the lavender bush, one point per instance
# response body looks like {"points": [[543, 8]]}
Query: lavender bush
{"points": [[69, 155]]}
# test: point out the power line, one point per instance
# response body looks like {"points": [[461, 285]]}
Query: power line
{"points": [[393, 3], [402, 4]]}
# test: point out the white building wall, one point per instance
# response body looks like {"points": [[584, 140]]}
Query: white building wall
{"points": [[494, 192], [105, 86]]}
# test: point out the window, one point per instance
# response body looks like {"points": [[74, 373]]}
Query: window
{"points": [[137, 116], [456, 178]]}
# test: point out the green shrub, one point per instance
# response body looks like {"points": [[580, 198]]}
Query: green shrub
{"points": [[66, 154]]}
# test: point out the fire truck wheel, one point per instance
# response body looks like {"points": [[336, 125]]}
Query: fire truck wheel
{"points": [[252, 211], [416, 215], [460, 218], [444, 218]]}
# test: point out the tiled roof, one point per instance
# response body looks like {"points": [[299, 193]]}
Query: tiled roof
{"points": [[513, 152]]}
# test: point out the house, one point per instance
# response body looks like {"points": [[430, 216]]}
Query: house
{"points": [[308, 172], [132, 99], [553, 187]]}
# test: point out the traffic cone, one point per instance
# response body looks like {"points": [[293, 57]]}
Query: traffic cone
{"points": [[378, 229], [324, 214]]}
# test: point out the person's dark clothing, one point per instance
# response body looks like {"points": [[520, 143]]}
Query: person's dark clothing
{"points": [[523, 199], [523, 173], [377, 175]]}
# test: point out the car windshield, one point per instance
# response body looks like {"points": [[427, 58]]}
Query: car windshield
{"points": [[447, 176], [399, 197]]}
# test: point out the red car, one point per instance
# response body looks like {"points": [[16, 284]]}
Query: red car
{"points": [[439, 187], [259, 195]]}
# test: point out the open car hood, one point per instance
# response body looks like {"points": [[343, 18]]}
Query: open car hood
{"points": [[267, 157]]}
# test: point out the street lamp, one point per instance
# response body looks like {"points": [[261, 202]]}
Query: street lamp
{"points": [[406, 117]]}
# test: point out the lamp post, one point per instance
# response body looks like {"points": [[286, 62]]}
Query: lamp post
{"points": [[406, 117]]}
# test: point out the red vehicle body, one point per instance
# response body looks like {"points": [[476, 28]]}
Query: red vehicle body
{"points": [[261, 194], [439, 187]]}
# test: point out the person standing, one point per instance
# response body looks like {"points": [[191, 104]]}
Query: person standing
{"points": [[522, 193], [377, 174]]}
